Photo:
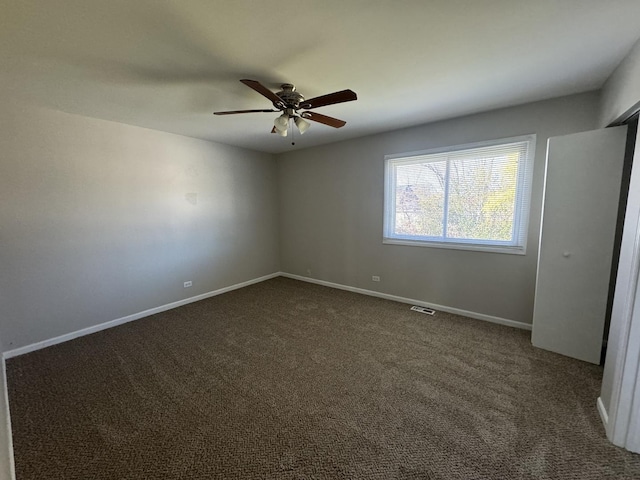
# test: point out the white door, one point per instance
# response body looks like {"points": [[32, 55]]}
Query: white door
{"points": [[582, 193]]}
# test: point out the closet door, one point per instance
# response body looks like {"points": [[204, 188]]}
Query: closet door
{"points": [[582, 190]]}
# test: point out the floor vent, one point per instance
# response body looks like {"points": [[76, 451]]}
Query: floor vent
{"points": [[428, 311]]}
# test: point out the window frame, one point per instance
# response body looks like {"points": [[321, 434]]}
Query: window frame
{"points": [[518, 246]]}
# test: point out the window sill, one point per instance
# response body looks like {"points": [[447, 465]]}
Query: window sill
{"points": [[457, 246]]}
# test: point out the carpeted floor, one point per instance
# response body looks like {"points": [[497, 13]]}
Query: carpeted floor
{"points": [[288, 380]]}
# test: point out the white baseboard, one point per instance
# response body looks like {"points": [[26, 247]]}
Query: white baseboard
{"points": [[119, 321], [442, 308], [129, 318], [604, 416], [163, 308], [6, 471]]}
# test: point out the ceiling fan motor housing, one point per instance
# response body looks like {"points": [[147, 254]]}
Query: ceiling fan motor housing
{"points": [[290, 97]]}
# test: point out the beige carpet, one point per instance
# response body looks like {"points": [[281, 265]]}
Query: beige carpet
{"points": [[288, 380]]}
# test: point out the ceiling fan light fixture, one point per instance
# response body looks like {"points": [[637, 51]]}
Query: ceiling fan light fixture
{"points": [[282, 123], [302, 125]]}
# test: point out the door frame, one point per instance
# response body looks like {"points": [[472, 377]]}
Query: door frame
{"points": [[622, 422]]}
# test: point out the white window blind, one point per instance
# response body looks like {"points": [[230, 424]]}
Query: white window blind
{"points": [[473, 196]]}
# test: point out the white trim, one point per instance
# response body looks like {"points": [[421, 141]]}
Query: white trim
{"points": [[518, 245], [464, 146], [442, 308], [7, 423], [476, 247], [623, 428], [103, 326], [604, 416], [163, 308], [625, 117], [633, 431], [119, 321]]}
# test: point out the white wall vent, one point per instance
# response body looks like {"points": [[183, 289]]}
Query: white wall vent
{"points": [[428, 311]]}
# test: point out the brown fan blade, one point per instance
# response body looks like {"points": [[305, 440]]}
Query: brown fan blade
{"points": [[317, 117], [329, 99], [232, 112], [262, 90]]}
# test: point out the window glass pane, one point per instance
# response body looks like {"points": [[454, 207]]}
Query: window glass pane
{"points": [[419, 199], [471, 197], [482, 194]]}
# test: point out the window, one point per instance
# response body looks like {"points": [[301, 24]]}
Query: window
{"points": [[473, 197]]}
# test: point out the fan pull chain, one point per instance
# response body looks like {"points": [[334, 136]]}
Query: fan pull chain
{"points": [[291, 125]]}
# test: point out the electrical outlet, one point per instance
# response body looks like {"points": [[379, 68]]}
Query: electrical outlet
{"points": [[188, 284], [375, 278]]}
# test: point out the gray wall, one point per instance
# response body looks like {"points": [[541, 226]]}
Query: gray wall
{"points": [[621, 92], [101, 220], [331, 206]]}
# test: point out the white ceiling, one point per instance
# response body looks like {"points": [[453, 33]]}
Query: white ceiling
{"points": [[169, 64]]}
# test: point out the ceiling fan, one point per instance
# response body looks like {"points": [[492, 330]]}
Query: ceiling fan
{"points": [[290, 102]]}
